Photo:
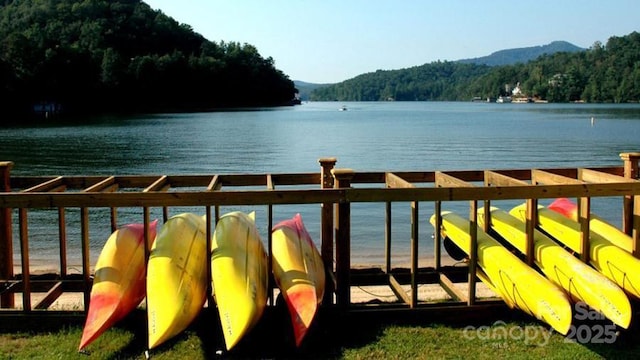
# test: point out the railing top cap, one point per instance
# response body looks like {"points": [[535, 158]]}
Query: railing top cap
{"points": [[630, 155], [342, 172], [328, 160]]}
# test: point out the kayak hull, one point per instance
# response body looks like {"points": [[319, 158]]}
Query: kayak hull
{"points": [[613, 262], [598, 225], [119, 280], [519, 285], [239, 275], [580, 281], [299, 273], [176, 277]]}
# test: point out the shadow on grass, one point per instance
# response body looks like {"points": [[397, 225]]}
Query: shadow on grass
{"points": [[332, 334]]}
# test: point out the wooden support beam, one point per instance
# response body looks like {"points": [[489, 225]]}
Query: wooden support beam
{"points": [[24, 256], [445, 180], [270, 183], [326, 227], [62, 240], [161, 184], [415, 227], [450, 288], [631, 171], [343, 179], [394, 181], [51, 297], [584, 217], [101, 185], [437, 236], [530, 227], [635, 230], [271, 286], [215, 183], [493, 178], [594, 176], [47, 185], [546, 177], [398, 290], [473, 247], [86, 265], [7, 300], [387, 237]]}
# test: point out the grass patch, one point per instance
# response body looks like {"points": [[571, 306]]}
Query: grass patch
{"points": [[329, 338]]}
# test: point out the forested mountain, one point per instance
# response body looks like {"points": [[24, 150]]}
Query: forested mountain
{"points": [[305, 88], [105, 56], [435, 81], [522, 55], [602, 73]]}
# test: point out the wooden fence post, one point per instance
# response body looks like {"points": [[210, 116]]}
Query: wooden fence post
{"points": [[326, 227], [631, 171], [6, 237], [343, 239]]}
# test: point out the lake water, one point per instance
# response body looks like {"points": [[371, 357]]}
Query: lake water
{"points": [[375, 136]]}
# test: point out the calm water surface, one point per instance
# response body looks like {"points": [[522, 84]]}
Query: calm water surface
{"points": [[368, 137]]}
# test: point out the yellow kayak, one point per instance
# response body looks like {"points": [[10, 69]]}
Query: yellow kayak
{"points": [[299, 272], [598, 225], [239, 275], [579, 280], [611, 261], [519, 285], [119, 280], [176, 277]]}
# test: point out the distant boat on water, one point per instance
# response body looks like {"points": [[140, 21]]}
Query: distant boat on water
{"points": [[343, 108]]}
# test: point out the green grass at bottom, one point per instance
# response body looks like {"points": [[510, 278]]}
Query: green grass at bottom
{"points": [[519, 340]]}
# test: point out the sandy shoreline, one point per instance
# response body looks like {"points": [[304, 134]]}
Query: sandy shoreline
{"points": [[359, 294], [52, 266]]}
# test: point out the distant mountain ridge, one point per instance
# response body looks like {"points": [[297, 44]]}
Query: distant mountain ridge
{"points": [[522, 55], [305, 88], [498, 58]]}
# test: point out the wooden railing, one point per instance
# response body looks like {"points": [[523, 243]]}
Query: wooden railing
{"points": [[333, 189]]}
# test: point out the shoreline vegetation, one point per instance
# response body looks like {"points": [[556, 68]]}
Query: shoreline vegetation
{"points": [[80, 57], [600, 74]]}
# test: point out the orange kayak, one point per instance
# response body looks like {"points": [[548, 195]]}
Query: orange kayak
{"points": [[119, 280], [299, 273]]}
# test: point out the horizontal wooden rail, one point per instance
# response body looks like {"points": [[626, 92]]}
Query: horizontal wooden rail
{"points": [[260, 197], [334, 189]]}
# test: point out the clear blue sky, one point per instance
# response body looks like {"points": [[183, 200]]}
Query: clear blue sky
{"points": [[325, 41]]}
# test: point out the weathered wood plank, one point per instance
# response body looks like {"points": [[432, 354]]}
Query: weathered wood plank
{"points": [[394, 181], [494, 178], [47, 185], [448, 180], [549, 178], [398, 290], [6, 236], [24, 256], [101, 185], [161, 184], [51, 296], [449, 287], [594, 176]]}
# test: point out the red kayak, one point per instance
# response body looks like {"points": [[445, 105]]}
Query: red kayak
{"points": [[119, 281]]}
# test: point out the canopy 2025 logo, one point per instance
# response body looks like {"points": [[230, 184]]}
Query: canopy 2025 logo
{"points": [[592, 328]]}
